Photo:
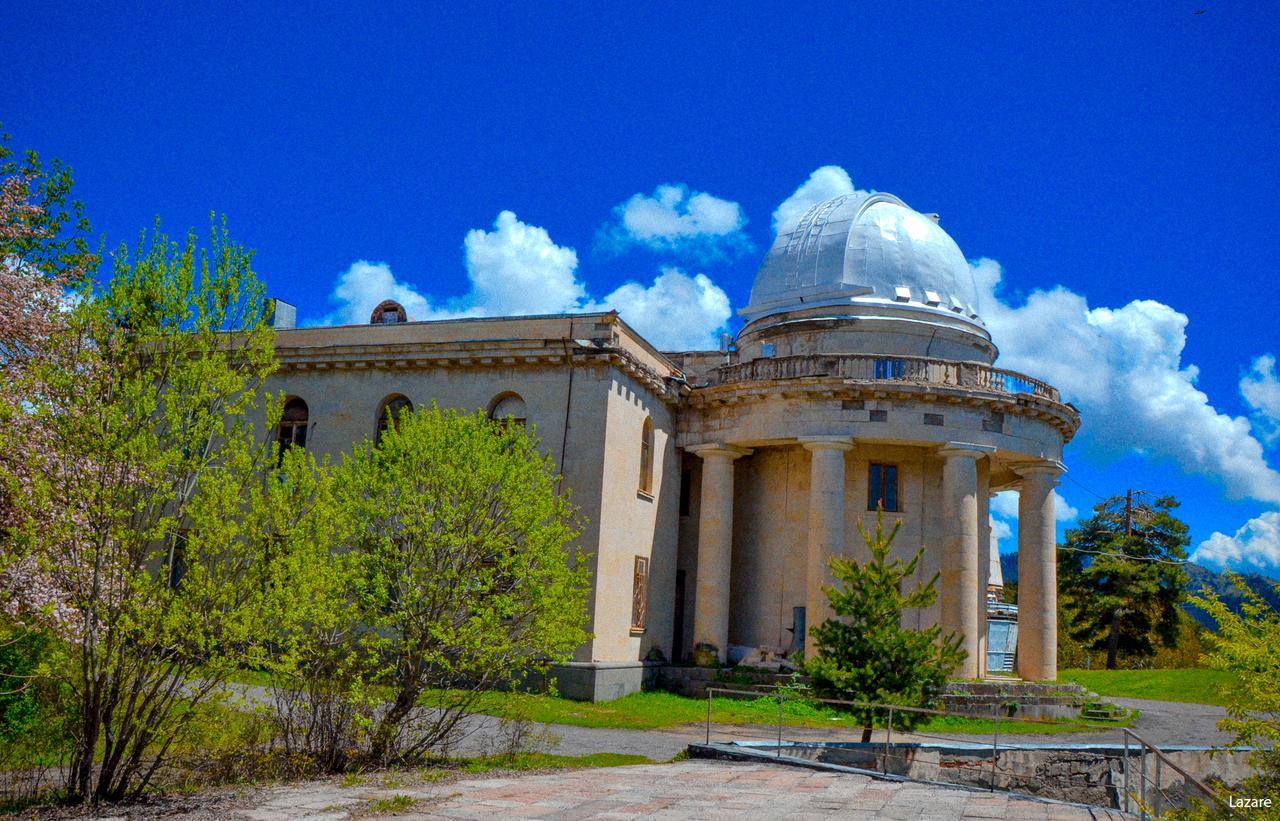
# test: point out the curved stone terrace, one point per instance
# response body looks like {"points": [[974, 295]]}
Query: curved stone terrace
{"points": [[873, 368]]}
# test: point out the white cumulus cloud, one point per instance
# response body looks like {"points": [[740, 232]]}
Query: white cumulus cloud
{"points": [[1005, 504], [681, 221], [676, 313], [1000, 529], [361, 287], [516, 269], [826, 183], [1261, 390], [1256, 543], [1123, 368]]}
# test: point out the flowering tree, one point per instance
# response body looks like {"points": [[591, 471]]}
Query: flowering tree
{"points": [[141, 514], [44, 256]]}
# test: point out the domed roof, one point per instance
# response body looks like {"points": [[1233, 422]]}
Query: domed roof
{"points": [[864, 248]]}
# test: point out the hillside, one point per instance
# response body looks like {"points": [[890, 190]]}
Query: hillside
{"points": [[1200, 577]]}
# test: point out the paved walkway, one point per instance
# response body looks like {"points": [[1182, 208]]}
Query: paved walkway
{"points": [[1162, 723], [685, 790]]}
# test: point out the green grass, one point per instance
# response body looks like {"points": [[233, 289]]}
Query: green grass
{"points": [[396, 803], [653, 710], [1196, 685]]}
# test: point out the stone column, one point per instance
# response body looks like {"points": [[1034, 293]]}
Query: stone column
{"points": [[715, 547], [826, 523], [984, 560], [1037, 572], [960, 551]]}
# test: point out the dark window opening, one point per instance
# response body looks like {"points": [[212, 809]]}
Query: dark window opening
{"points": [[392, 408], [882, 487], [293, 425]]}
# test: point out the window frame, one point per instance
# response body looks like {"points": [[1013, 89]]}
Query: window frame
{"points": [[293, 432], [384, 410], [646, 457], [639, 595], [881, 478], [509, 419]]}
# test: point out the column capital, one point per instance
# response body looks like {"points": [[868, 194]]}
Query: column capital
{"points": [[826, 442], [964, 450], [706, 449], [1042, 467]]}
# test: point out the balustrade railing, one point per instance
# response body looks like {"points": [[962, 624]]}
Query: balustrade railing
{"points": [[866, 368]]}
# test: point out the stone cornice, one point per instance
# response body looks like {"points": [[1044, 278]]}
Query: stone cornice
{"points": [[1063, 417], [505, 353]]}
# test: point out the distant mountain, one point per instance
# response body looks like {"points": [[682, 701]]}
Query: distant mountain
{"points": [[1199, 578], [1202, 577]]}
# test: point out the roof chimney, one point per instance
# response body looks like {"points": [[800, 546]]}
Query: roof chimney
{"points": [[281, 314]]}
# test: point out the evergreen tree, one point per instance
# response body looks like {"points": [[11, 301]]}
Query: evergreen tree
{"points": [[1120, 577], [865, 654]]}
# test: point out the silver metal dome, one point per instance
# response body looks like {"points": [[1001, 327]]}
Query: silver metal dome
{"points": [[864, 248]]}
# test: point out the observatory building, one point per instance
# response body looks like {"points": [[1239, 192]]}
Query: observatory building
{"points": [[716, 484]]}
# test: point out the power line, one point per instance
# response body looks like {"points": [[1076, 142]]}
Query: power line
{"points": [[1085, 489], [1124, 556]]}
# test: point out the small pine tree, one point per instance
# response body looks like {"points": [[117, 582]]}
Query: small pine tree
{"points": [[865, 654]]}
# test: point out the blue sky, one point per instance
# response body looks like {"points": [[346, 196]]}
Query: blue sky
{"points": [[1116, 166]]}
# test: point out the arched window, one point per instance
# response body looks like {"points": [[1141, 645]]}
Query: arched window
{"points": [[388, 312], [389, 414], [293, 425], [508, 409], [646, 456]]}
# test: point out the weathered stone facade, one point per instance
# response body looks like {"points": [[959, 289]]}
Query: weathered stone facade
{"points": [[863, 360]]}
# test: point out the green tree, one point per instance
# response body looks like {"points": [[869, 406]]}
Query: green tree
{"points": [[1121, 577], [469, 583], [865, 654], [136, 517], [1248, 645]]}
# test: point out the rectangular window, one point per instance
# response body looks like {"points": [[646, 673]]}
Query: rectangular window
{"points": [[882, 487], [639, 594]]}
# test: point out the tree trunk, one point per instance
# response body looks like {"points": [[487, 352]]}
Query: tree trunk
{"points": [[1113, 640], [866, 733], [390, 723]]}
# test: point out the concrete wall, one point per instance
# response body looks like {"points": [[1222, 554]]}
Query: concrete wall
{"points": [[587, 417], [634, 523]]}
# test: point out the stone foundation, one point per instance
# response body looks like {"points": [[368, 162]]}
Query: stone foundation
{"points": [[599, 680], [1015, 699]]}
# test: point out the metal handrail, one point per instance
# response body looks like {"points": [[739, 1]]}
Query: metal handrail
{"points": [[1161, 759], [885, 368], [1124, 801]]}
